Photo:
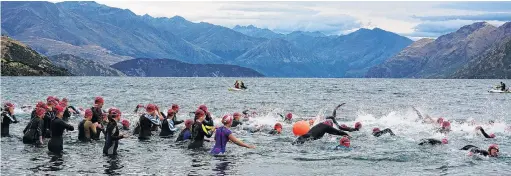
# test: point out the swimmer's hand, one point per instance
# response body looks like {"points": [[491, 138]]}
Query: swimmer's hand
{"points": [[340, 105], [251, 147]]}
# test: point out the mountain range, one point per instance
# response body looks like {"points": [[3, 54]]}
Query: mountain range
{"points": [[111, 36], [473, 51]]}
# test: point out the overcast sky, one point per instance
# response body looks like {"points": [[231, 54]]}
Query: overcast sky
{"points": [[411, 19]]}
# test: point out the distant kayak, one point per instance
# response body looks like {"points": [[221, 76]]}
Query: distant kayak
{"points": [[498, 91], [235, 89]]}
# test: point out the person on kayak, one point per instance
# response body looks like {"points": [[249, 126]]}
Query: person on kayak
{"points": [[237, 84], [242, 85], [484, 133], [502, 86], [318, 131]]}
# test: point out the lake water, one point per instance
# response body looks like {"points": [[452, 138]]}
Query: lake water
{"points": [[384, 103]]}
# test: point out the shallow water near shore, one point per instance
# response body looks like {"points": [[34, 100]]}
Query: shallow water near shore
{"points": [[384, 103]]}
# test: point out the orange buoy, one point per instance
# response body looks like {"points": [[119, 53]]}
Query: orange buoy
{"points": [[300, 128]]}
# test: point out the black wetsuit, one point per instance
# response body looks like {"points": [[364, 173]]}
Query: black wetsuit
{"points": [[48, 118], [199, 131], [274, 132], [503, 87], [385, 131], [484, 133], [235, 123], [245, 112], [33, 115], [7, 119], [318, 131], [333, 118], [68, 114], [97, 116], [146, 122], [33, 131], [430, 141], [167, 128], [111, 138], [443, 130], [209, 120], [475, 150], [57, 129], [177, 122], [184, 135], [136, 130]]}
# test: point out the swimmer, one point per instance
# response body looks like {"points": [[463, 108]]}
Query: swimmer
{"points": [[208, 121], [344, 144], [175, 108], [199, 130], [49, 116], [344, 127], [69, 110], [224, 135], [277, 129], [186, 133], [39, 105], [7, 118], [236, 120], [427, 119], [167, 126], [97, 115], [33, 133], [87, 129], [112, 135], [160, 117], [334, 115], [493, 150], [288, 118], [377, 132], [446, 127], [147, 120], [125, 125], [58, 126], [318, 131], [431, 141], [484, 133]]}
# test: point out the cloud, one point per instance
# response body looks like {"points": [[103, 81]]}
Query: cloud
{"points": [[500, 6], [411, 19], [480, 17], [433, 29]]}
